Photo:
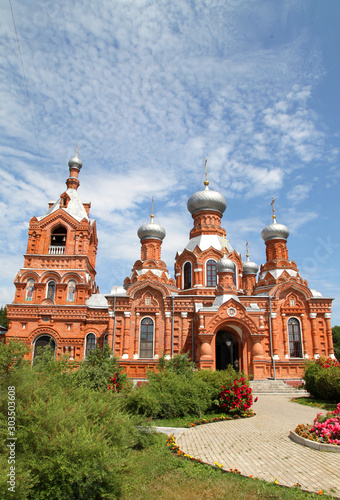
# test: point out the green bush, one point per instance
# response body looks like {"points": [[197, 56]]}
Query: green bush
{"points": [[96, 371], [215, 380], [72, 442], [322, 379], [168, 395]]}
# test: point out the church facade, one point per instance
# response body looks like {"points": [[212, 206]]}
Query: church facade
{"points": [[221, 310]]}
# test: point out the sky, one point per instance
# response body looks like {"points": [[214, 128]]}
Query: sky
{"points": [[148, 90]]}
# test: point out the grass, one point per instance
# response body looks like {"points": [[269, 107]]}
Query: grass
{"points": [[317, 403], [155, 473], [182, 421]]}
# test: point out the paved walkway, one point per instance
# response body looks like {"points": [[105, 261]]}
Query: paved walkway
{"points": [[260, 446]]}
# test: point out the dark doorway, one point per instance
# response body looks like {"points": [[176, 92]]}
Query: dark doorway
{"points": [[42, 343], [226, 350]]}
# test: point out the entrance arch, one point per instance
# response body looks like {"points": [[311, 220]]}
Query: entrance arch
{"points": [[42, 342], [227, 350]]}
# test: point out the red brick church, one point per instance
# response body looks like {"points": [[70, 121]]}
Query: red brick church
{"points": [[219, 309]]}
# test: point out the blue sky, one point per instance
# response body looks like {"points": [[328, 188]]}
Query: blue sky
{"points": [[148, 89]]}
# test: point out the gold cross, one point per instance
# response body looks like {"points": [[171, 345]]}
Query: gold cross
{"points": [[206, 182], [77, 151], [272, 204], [152, 215], [247, 248]]}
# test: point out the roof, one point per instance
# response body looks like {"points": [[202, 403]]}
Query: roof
{"points": [[75, 207]]}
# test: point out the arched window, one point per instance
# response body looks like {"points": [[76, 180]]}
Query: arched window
{"points": [[234, 275], [71, 291], [58, 236], [146, 338], [90, 343], [211, 272], [294, 335], [29, 290], [51, 290], [58, 241], [187, 275], [42, 343]]}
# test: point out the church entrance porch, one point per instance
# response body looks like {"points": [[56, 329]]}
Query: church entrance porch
{"points": [[43, 342], [227, 350]]}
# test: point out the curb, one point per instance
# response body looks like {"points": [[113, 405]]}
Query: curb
{"points": [[334, 448]]}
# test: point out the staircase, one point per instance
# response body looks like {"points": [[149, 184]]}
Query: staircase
{"points": [[279, 387]]}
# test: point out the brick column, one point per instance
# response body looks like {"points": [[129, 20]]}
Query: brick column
{"points": [[156, 338], [167, 343], [304, 336], [314, 335], [285, 336], [329, 334], [274, 333], [126, 342], [110, 328], [136, 343]]}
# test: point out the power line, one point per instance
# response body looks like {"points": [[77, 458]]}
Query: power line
{"points": [[29, 99]]}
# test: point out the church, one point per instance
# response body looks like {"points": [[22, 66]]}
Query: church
{"points": [[219, 309]]}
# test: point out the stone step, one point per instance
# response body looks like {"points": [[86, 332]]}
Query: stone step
{"points": [[271, 386]]}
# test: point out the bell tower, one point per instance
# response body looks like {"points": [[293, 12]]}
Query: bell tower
{"points": [[59, 265]]}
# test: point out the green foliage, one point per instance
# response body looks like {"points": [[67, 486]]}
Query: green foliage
{"points": [[169, 395], [72, 442], [179, 364], [96, 371], [3, 317], [177, 390], [215, 380], [322, 379], [336, 341], [11, 356]]}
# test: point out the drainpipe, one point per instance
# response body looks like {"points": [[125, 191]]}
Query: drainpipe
{"points": [[270, 335], [172, 326], [114, 325]]}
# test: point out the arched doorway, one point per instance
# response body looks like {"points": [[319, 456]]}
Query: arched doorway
{"points": [[226, 350], [41, 343]]}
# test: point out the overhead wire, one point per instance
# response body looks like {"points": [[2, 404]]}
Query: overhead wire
{"points": [[28, 98]]}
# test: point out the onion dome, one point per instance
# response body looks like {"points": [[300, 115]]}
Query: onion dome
{"points": [[275, 231], [225, 265], [151, 231], [207, 200], [75, 162], [250, 267]]}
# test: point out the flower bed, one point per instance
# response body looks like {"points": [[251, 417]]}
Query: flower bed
{"points": [[220, 418], [325, 429]]}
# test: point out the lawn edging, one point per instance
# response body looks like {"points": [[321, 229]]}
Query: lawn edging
{"points": [[313, 444]]}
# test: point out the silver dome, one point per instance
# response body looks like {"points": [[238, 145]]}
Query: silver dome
{"points": [[207, 200], [275, 231], [151, 231], [225, 265], [250, 267], [75, 162]]}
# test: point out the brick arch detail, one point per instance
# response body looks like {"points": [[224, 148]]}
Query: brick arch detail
{"points": [[40, 331], [29, 275], [283, 289], [50, 275]]}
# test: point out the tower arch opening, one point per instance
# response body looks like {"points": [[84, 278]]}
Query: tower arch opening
{"points": [[227, 350]]}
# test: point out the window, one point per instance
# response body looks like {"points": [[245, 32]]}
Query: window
{"points": [[146, 338], [43, 343], [71, 291], [106, 339], [90, 343], [187, 275], [29, 290], [211, 273], [51, 290], [234, 275], [58, 236], [294, 335]]}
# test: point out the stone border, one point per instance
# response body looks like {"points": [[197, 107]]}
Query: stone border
{"points": [[314, 444]]}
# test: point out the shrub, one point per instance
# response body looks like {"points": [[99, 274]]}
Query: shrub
{"points": [[169, 395], [215, 380], [322, 377], [97, 370], [72, 442], [236, 398], [179, 364]]}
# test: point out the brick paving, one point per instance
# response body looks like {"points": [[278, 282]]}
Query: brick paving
{"points": [[260, 446]]}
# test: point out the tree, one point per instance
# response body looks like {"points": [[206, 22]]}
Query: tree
{"points": [[3, 317], [336, 341]]}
